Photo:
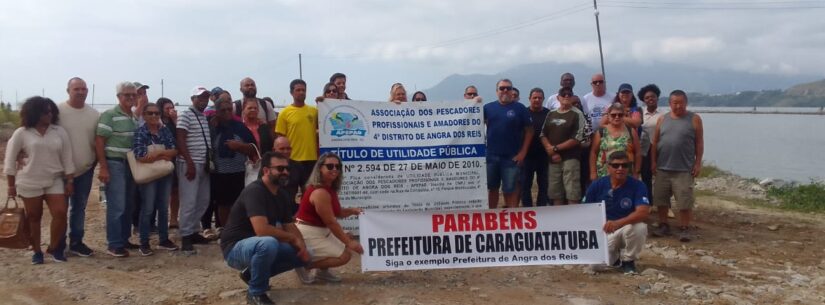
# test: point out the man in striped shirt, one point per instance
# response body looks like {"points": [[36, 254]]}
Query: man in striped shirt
{"points": [[193, 168], [114, 136]]}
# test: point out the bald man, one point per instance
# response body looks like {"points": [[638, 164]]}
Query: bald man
{"points": [[596, 102], [266, 111], [296, 175]]}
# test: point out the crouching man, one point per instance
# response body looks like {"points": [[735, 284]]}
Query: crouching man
{"points": [[260, 237], [627, 206]]}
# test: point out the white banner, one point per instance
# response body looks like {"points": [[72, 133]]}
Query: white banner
{"points": [[409, 157], [555, 235]]}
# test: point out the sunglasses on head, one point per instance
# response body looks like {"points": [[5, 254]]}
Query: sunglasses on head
{"points": [[620, 165], [280, 168], [597, 82], [332, 166]]}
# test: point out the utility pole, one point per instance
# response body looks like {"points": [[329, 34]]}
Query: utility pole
{"points": [[93, 94], [599, 33], [161, 88], [300, 68]]}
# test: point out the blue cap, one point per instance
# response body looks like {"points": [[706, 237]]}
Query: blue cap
{"points": [[625, 87], [216, 91]]}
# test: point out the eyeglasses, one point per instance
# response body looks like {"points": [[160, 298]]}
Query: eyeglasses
{"points": [[471, 94], [333, 166], [565, 94], [597, 82], [330, 91], [620, 165], [151, 112], [505, 88], [616, 115], [280, 168]]}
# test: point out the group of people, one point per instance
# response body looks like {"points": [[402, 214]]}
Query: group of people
{"points": [[603, 146], [594, 145]]}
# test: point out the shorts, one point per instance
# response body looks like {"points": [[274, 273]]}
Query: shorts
{"points": [[320, 242], [565, 180], [225, 188], [502, 170], [33, 192], [677, 184]]}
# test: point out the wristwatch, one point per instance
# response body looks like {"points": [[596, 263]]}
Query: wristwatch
{"points": [[555, 149]]}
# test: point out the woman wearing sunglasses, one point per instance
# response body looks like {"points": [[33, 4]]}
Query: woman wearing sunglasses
{"points": [[616, 135], [317, 219]]}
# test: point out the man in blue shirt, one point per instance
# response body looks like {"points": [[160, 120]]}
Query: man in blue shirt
{"points": [[509, 132], [626, 206]]}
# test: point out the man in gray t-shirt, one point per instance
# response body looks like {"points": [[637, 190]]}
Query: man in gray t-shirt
{"points": [[676, 159]]}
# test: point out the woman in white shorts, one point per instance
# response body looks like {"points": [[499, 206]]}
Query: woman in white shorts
{"points": [[317, 216], [38, 166]]}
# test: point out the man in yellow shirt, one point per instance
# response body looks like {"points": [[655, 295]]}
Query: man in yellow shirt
{"points": [[299, 123]]}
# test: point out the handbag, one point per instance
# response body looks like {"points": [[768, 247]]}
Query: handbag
{"points": [[253, 168], [148, 172], [14, 227]]}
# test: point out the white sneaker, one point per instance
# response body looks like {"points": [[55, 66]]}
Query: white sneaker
{"points": [[304, 275], [327, 275]]}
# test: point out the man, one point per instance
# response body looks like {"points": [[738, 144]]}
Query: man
{"points": [[536, 160], [626, 206], [561, 135], [260, 237], [193, 169], [340, 81], [516, 94], [80, 122], [299, 123], [471, 93], [509, 132], [596, 102], [266, 112], [676, 160], [141, 101], [114, 137], [567, 81], [282, 146]]}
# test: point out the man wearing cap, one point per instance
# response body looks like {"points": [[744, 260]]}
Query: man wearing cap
{"points": [[596, 102], [193, 168], [114, 136], [627, 206], [266, 112], [141, 101]]}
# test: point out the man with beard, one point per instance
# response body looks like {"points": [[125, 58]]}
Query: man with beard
{"points": [[260, 238], [266, 113]]}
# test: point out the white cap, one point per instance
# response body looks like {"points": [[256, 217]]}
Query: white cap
{"points": [[198, 90]]}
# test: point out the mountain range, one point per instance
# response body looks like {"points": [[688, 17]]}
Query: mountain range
{"points": [[668, 77]]}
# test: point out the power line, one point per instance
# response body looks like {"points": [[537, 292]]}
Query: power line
{"points": [[732, 5]]}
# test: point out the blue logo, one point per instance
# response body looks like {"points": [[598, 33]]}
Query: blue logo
{"points": [[346, 124], [626, 203]]}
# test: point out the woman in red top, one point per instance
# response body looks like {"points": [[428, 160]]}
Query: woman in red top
{"points": [[317, 220]]}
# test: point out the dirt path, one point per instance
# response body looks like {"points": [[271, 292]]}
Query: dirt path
{"points": [[742, 255]]}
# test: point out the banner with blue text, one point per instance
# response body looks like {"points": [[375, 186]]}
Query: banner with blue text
{"points": [[409, 157], [555, 235]]}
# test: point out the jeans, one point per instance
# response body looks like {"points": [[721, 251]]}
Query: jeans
{"points": [[265, 257], [120, 193], [502, 172], [194, 198], [647, 175], [155, 195], [77, 205], [537, 165]]}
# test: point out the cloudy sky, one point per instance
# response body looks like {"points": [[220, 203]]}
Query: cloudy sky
{"points": [[377, 43]]}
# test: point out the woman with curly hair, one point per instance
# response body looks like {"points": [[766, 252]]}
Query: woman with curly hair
{"points": [[46, 174]]}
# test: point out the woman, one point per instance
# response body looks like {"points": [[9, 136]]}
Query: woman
{"points": [[633, 117], [615, 136], [154, 194], [261, 131], [650, 96], [231, 147], [169, 117], [317, 220], [397, 93], [46, 174], [419, 96]]}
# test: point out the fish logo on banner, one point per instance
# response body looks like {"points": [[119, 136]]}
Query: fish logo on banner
{"points": [[346, 122]]}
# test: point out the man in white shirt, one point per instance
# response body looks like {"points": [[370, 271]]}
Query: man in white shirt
{"points": [[567, 81], [596, 102], [80, 121]]}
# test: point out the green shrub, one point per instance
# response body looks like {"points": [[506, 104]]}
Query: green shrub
{"points": [[805, 197], [711, 171]]}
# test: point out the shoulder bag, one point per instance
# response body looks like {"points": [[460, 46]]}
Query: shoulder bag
{"points": [[14, 227]]}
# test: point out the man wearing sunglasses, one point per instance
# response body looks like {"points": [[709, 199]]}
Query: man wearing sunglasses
{"points": [[626, 205], [596, 102], [471, 93], [509, 132], [260, 238]]}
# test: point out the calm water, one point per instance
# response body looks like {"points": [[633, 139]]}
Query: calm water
{"points": [[788, 147]]}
